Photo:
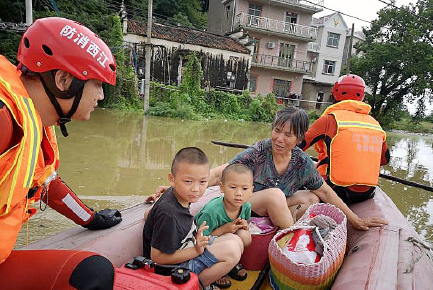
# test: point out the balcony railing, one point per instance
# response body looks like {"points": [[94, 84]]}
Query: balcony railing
{"points": [[313, 46], [264, 23], [289, 64]]}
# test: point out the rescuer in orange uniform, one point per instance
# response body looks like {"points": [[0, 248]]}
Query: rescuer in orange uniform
{"points": [[62, 66], [351, 144]]}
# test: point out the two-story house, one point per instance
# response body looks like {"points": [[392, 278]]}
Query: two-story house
{"points": [[326, 53], [280, 31]]}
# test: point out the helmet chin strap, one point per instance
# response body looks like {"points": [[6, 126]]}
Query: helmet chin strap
{"points": [[75, 90]]}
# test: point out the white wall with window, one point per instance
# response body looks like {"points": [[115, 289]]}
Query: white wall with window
{"points": [[317, 88], [332, 30]]}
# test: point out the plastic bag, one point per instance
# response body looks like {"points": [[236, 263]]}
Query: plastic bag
{"points": [[299, 246], [260, 225]]}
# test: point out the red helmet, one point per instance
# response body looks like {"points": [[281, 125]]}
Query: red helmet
{"points": [[59, 43], [349, 87]]}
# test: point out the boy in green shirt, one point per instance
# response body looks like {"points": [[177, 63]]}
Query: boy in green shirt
{"points": [[229, 213]]}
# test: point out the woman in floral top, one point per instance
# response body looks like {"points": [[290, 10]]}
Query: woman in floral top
{"points": [[281, 169]]}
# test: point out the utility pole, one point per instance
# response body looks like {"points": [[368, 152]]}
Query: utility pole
{"points": [[29, 12], [148, 57], [349, 53]]}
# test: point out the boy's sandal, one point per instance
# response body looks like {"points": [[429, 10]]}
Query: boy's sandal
{"points": [[223, 282], [212, 287], [234, 273]]}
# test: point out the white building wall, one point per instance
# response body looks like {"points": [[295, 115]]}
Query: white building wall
{"points": [[337, 25]]}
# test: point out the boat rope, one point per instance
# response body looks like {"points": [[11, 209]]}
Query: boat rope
{"points": [[386, 176], [420, 243], [423, 249], [414, 261]]}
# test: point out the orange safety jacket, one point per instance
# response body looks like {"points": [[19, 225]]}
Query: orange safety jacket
{"points": [[355, 150], [25, 165]]}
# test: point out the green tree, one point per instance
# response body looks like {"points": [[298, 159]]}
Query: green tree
{"points": [[398, 59], [12, 11], [9, 45], [193, 10], [181, 19], [191, 79], [185, 12]]}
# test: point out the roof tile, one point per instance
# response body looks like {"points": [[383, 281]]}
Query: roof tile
{"points": [[187, 35]]}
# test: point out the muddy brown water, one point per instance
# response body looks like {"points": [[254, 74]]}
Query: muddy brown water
{"points": [[117, 158]]}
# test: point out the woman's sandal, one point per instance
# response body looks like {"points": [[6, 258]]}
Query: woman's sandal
{"points": [[234, 273], [223, 285]]}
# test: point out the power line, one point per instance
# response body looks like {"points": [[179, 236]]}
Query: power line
{"points": [[389, 4], [342, 13]]}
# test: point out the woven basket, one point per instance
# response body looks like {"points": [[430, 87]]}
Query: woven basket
{"points": [[289, 275]]}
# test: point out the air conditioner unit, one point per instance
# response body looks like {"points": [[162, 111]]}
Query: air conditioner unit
{"points": [[271, 45]]}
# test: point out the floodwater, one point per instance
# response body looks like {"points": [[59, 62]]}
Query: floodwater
{"points": [[117, 158]]}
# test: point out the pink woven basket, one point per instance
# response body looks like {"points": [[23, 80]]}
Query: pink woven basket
{"points": [[287, 274]]}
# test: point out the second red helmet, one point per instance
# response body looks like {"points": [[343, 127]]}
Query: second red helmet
{"points": [[349, 87], [59, 43]]}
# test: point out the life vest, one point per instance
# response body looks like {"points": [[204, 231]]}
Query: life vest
{"points": [[356, 149], [27, 164]]}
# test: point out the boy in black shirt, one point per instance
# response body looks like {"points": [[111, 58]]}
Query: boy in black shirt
{"points": [[170, 235]]}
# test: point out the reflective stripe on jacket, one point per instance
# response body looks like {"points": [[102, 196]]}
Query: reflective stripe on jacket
{"points": [[356, 149], [26, 164]]}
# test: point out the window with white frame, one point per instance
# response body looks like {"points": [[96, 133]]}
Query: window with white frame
{"points": [[254, 12], [333, 39], [329, 67], [290, 21]]}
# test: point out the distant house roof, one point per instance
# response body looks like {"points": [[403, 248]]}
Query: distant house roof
{"points": [[187, 35], [357, 34], [322, 20]]}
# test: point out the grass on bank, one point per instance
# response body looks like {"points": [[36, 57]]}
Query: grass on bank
{"points": [[408, 124]]}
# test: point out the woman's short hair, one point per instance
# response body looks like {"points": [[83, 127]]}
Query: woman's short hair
{"points": [[298, 119]]}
